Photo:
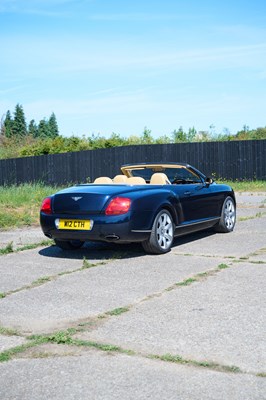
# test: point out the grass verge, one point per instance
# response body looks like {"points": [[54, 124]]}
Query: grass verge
{"points": [[246, 186], [20, 204]]}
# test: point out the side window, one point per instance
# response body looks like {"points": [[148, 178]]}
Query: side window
{"points": [[184, 175]]}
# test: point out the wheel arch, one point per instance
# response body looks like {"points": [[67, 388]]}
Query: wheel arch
{"points": [[169, 207], [228, 194]]}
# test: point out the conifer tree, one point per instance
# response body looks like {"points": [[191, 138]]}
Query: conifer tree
{"points": [[8, 125], [43, 129], [19, 127], [33, 129], [53, 127]]}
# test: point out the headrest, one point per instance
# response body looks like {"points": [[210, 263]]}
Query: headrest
{"points": [[136, 180], [159, 178], [120, 179], [103, 180]]}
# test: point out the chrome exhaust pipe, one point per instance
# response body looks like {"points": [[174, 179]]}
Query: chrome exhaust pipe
{"points": [[112, 237]]}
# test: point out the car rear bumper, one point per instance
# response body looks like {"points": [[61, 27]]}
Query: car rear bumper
{"points": [[105, 228]]}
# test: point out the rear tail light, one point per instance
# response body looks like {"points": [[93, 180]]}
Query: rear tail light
{"points": [[46, 207], [117, 206]]}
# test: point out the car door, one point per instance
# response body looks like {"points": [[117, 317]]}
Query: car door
{"points": [[198, 201]]}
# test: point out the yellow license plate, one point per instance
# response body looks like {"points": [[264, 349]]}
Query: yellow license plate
{"points": [[75, 224]]}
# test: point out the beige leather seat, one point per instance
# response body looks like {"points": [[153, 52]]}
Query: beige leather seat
{"points": [[136, 180], [103, 180], [159, 178], [120, 179]]}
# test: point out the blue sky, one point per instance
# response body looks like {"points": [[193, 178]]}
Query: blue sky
{"points": [[118, 66]]}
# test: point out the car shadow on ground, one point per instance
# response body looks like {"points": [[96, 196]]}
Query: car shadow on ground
{"points": [[107, 251]]}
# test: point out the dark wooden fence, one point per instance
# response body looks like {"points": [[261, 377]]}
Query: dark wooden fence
{"points": [[227, 160]]}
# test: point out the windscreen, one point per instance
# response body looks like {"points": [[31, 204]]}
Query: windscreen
{"points": [[174, 174]]}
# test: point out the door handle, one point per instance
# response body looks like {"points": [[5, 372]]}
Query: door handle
{"points": [[187, 193]]}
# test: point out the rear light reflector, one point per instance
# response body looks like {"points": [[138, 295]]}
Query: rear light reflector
{"points": [[46, 207], [117, 206]]}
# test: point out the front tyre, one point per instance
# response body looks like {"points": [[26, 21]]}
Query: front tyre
{"points": [[162, 234], [69, 245], [228, 216]]}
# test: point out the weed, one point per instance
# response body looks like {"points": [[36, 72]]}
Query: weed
{"points": [[7, 354], [261, 374], [257, 215], [203, 364], [100, 346], [4, 356], [2, 295], [31, 246], [203, 274], [8, 249], [117, 311], [223, 266], [65, 337], [186, 282], [86, 264], [41, 281], [257, 262], [8, 331], [168, 358], [60, 338]]}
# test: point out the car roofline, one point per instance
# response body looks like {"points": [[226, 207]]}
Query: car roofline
{"points": [[155, 164], [125, 167]]}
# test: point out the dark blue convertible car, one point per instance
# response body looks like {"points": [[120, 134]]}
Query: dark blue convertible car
{"points": [[148, 203]]}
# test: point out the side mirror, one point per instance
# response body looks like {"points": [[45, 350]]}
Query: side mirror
{"points": [[209, 181]]}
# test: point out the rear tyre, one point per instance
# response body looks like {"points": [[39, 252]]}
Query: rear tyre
{"points": [[69, 245], [228, 217], [162, 234]]}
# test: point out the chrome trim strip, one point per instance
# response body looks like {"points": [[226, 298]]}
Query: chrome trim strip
{"points": [[141, 231], [196, 223]]}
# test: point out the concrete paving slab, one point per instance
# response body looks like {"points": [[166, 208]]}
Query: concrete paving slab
{"points": [[20, 269], [258, 256], [21, 236], [115, 377], [221, 319], [247, 237], [256, 225], [97, 290], [7, 342], [249, 213], [247, 199]]}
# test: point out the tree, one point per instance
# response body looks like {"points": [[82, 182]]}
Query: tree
{"points": [[146, 137], [259, 133], [43, 129], [8, 125], [179, 136], [191, 134], [19, 127], [33, 129], [53, 127]]}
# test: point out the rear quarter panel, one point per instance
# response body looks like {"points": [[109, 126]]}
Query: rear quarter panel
{"points": [[147, 203]]}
